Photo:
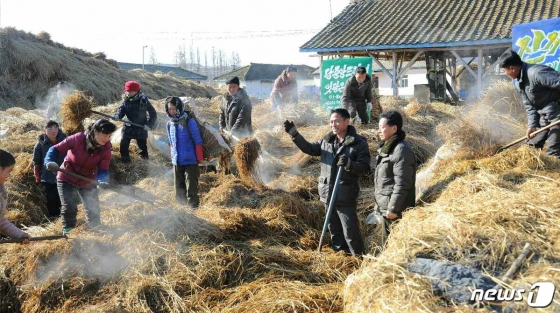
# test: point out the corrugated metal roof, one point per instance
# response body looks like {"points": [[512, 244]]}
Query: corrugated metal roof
{"points": [[392, 24]]}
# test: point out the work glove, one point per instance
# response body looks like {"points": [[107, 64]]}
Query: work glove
{"points": [[102, 184], [290, 128], [37, 173], [369, 106], [146, 128], [116, 117], [52, 166], [345, 162]]}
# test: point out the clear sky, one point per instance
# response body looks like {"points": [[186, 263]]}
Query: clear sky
{"points": [[122, 28]]}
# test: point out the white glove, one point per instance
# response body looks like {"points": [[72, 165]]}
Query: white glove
{"points": [[52, 166], [146, 128]]}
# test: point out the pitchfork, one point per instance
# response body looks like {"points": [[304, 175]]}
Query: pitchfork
{"points": [[320, 258]]}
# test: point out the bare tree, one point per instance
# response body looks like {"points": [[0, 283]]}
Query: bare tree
{"points": [[197, 59], [191, 57], [214, 62], [153, 59], [221, 61], [206, 63], [180, 58], [235, 61]]}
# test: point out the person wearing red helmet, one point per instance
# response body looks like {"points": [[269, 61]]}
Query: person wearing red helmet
{"points": [[138, 110]]}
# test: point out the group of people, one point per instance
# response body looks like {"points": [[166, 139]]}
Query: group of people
{"points": [[342, 147], [70, 168]]}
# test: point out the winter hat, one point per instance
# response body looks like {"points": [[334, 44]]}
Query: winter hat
{"points": [[132, 86], [291, 69], [233, 80]]}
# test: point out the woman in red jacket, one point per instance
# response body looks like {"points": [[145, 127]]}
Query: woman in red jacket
{"points": [[88, 155]]}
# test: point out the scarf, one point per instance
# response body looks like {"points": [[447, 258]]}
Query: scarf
{"points": [[179, 119], [388, 146], [91, 143]]}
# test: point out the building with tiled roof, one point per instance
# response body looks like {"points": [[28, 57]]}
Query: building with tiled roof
{"points": [[152, 68], [437, 31], [258, 79]]}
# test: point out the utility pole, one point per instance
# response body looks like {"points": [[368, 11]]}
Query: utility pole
{"points": [[143, 47]]}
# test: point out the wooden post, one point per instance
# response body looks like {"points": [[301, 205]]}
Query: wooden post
{"points": [[395, 86], [480, 72]]}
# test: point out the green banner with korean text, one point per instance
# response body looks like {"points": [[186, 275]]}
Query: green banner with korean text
{"points": [[334, 74]]}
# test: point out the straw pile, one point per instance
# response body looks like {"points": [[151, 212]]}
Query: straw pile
{"points": [[32, 65], [482, 219], [481, 212]]}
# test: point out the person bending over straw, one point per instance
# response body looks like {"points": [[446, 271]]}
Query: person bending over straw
{"points": [[7, 163], [395, 173], [185, 143], [88, 155], [341, 146], [539, 86]]}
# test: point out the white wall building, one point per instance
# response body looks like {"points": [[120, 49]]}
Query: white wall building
{"points": [[414, 76]]}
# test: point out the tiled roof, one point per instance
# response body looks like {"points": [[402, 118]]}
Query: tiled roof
{"points": [[259, 71], [164, 69], [391, 24]]}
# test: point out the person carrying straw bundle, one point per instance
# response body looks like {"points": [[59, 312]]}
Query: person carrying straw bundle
{"points": [[343, 147], [185, 143], [88, 155]]}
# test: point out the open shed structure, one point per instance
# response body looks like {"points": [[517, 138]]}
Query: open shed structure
{"points": [[449, 35]]}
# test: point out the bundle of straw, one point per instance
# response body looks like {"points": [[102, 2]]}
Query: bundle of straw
{"points": [[75, 108]]}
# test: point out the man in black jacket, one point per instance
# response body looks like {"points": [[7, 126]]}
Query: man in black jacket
{"points": [[341, 146], [539, 86], [358, 95], [395, 173], [134, 107], [235, 112]]}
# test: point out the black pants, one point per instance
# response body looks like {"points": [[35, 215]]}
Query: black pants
{"points": [[53, 199], [186, 184], [359, 107], [125, 144], [70, 197], [551, 137], [345, 230]]}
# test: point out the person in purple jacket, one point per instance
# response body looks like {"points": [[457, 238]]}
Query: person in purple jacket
{"points": [[185, 143], [7, 163], [88, 154]]}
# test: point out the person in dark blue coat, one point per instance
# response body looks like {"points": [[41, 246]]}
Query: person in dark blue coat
{"points": [[185, 143], [134, 107], [52, 135]]}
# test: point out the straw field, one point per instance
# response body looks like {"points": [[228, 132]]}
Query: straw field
{"points": [[250, 249]]}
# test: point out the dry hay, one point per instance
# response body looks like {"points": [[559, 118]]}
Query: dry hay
{"points": [[26, 198], [74, 109], [488, 209], [246, 154]]}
